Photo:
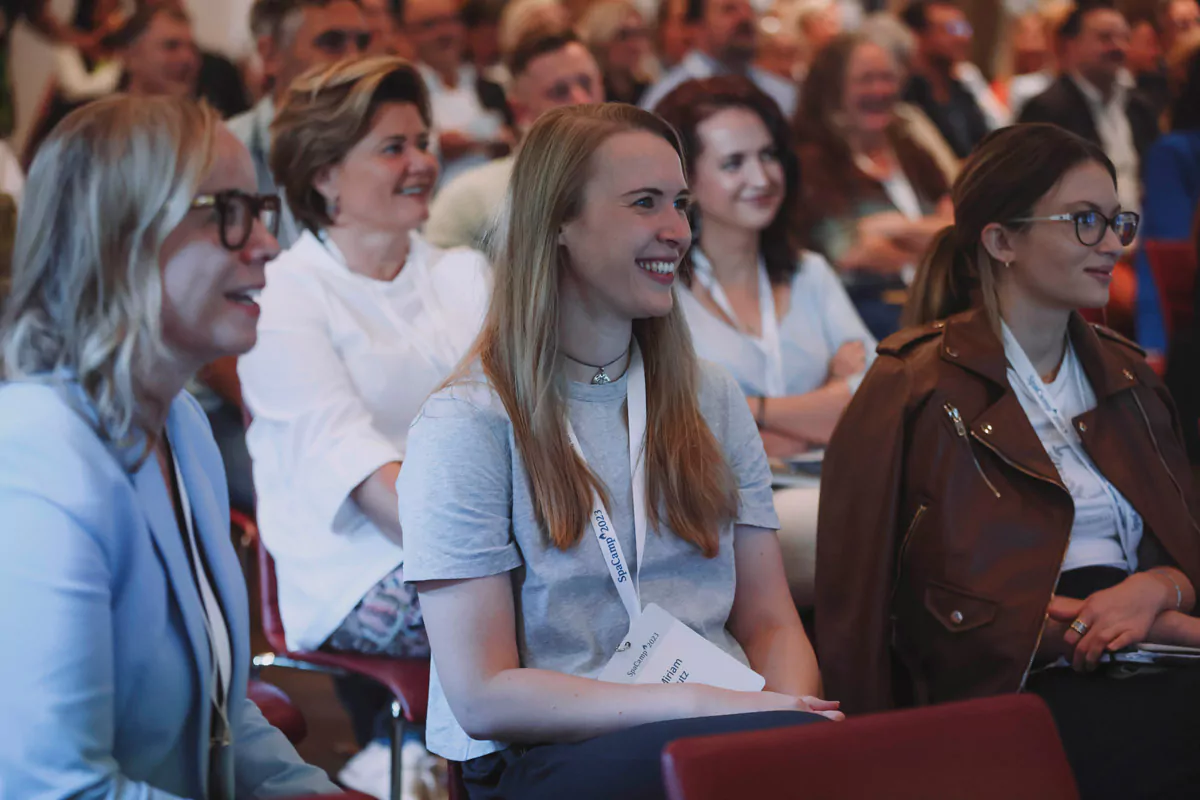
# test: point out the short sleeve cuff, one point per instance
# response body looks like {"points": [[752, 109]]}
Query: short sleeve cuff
{"points": [[351, 462], [461, 565]]}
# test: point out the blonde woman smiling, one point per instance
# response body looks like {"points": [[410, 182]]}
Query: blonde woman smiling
{"points": [[584, 415], [139, 248]]}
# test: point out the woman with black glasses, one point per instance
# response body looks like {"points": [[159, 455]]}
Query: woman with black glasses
{"points": [[122, 606], [1007, 502]]}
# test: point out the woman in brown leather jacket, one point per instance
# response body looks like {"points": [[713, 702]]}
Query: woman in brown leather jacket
{"points": [[1008, 490]]}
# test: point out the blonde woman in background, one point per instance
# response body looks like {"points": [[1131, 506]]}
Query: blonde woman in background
{"points": [[566, 427], [139, 252], [616, 34]]}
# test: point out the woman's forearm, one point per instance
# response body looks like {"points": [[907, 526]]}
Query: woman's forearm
{"points": [[810, 417], [376, 497], [1174, 627], [533, 705], [783, 655]]}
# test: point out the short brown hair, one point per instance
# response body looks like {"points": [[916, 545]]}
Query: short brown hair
{"points": [[535, 42], [325, 113]]}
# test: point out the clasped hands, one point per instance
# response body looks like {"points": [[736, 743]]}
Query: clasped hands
{"points": [[1111, 619]]}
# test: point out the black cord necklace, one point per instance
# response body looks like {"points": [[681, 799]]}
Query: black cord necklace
{"points": [[601, 377]]}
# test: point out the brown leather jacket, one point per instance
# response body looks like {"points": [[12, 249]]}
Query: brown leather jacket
{"points": [[944, 524]]}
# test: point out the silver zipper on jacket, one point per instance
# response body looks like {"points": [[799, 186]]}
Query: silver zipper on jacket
{"points": [[1062, 560], [1162, 458], [961, 428], [908, 535]]}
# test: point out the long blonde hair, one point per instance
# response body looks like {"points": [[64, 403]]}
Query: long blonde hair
{"points": [[106, 188], [686, 471]]}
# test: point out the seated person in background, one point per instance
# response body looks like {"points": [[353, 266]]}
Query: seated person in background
{"points": [[943, 43], [550, 68], [470, 116], [118, 584], [481, 27], [510, 464], [616, 34], [726, 42], [872, 197], [776, 317], [1171, 175], [1027, 42], [157, 54], [894, 36], [1007, 496], [292, 37], [1095, 98], [361, 320]]}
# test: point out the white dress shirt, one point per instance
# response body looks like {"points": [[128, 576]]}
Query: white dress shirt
{"points": [[1116, 136], [341, 368]]}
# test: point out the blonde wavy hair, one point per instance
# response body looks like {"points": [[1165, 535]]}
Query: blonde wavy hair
{"points": [[686, 471], [108, 185]]}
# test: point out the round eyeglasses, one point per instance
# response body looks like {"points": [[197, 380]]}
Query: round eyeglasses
{"points": [[1091, 225], [237, 211]]}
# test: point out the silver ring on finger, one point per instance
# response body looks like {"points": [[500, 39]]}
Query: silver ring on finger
{"points": [[1080, 627]]}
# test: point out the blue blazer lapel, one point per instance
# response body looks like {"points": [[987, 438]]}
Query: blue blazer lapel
{"points": [[211, 512], [169, 542]]}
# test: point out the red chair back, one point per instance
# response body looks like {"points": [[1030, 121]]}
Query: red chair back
{"points": [[1173, 265], [993, 749], [268, 592]]}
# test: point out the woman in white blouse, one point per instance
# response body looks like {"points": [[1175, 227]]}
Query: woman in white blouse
{"points": [[776, 317], [361, 320]]}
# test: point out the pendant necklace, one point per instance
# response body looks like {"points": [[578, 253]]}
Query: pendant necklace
{"points": [[601, 377]]}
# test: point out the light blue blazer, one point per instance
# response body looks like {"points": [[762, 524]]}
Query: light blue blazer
{"points": [[104, 660]]}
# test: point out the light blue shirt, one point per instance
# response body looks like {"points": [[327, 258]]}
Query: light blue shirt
{"points": [[105, 687], [819, 320], [697, 65], [467, 511]]}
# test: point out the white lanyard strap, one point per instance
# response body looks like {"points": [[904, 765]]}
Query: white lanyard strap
{"points": [[623, 578], [1030, 384], [769, 343], [214, 620]]}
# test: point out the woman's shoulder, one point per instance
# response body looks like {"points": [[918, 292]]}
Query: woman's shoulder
{"points": [[1177, 147], [468, 398], [50, 448]]}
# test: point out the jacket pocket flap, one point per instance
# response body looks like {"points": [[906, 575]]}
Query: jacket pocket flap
{"points": [[956, 609]]}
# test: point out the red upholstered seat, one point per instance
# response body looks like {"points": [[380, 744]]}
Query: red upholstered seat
{"points": [[998, 748], [1173, 265], [278, 709], [406, 679]]}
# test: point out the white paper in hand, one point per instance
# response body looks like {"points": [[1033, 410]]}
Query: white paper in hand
{"points": [[664, 650]]}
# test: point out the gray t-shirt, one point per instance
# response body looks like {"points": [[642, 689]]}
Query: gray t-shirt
{"points": [[466, 510]]}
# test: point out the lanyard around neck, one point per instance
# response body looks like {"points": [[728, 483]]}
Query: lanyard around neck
{"points": [[219, 642], [623, 578], [1029, 383], [769, 344]]}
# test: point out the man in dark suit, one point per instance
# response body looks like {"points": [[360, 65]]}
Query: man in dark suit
{"points": [[1095, 98]]}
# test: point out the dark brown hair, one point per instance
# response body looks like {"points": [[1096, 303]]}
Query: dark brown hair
{"points": [[832, 181], [1002, 180], [534, 42], [693, 102], [324, 114]]}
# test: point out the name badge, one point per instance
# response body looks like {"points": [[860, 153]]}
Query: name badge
{"points": [[664, 650]]}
